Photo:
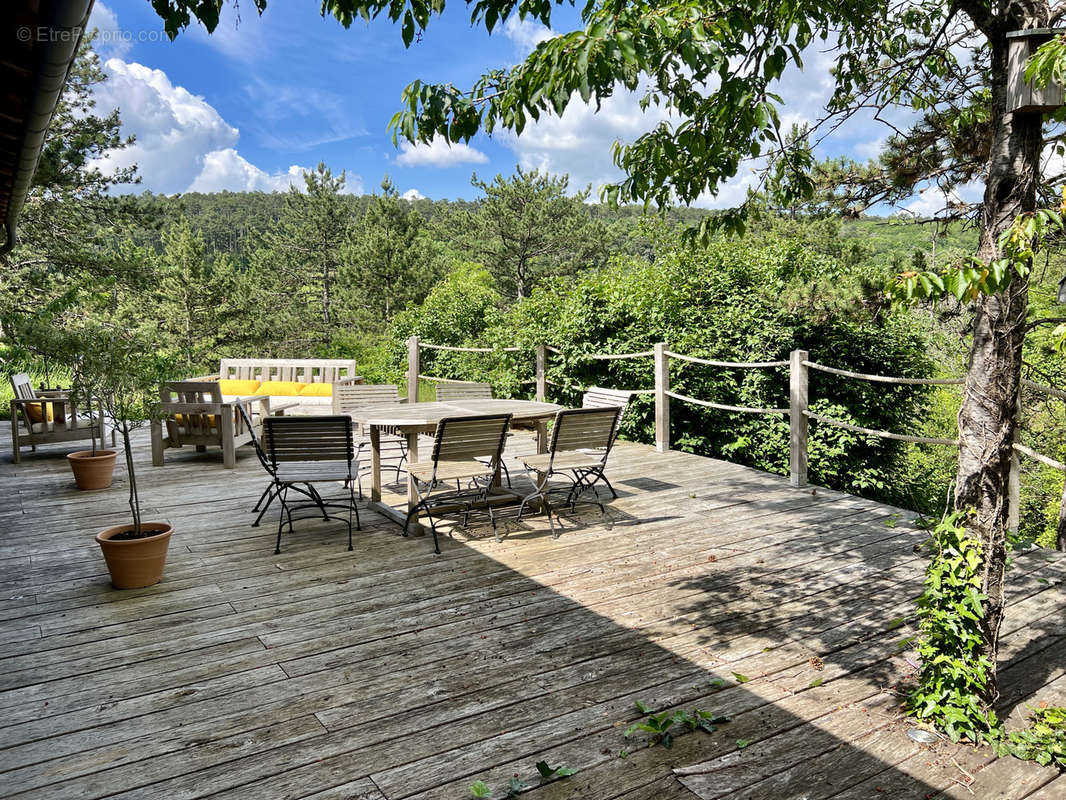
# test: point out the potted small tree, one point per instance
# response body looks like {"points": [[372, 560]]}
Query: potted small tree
{"points": [[46, 335], [120, 366]]}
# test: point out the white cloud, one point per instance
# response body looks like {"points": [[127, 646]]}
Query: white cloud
{"points": [[227, 170], [182, 143], [526, 33], [932, 201], [111, 41], [413, 194], [175, 129], [438, 153]]}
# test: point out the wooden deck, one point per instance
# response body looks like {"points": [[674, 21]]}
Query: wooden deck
{"points": [[389, 672]]}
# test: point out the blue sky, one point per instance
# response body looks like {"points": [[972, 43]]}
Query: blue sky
{"points": [[251, 106]]}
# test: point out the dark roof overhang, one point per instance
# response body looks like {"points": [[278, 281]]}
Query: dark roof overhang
{"points": [[38, 42]]}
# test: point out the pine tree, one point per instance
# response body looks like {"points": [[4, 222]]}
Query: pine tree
{"points": [[387, 264]]}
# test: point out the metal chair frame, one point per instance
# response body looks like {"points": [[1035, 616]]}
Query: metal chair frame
{"points": [[269, 494], [308, 450], [598, 397], [583, 478], [347, 399], [459, 499]]}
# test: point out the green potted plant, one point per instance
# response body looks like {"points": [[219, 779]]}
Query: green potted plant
{"points": [[119, 365], [46, 336]]}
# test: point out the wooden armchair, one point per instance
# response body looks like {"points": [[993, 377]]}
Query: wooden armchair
{"points": [[46, 417], [194, 413]]}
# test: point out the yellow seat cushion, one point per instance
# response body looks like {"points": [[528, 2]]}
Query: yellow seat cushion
{"points": [[34, 412], [180, 419], [238, 388], [317, 390], [280, 388]]}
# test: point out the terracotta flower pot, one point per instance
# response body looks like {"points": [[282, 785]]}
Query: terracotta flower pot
{"points": [[92, 471], [134, 563]]}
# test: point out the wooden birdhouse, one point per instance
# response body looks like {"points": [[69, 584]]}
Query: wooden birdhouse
{"points": [[1021, 94]]}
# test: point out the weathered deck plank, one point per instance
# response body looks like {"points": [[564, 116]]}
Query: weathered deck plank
{"points": [[392, 673]]}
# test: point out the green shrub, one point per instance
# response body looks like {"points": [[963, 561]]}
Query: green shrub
{"points": [[731, 301]]}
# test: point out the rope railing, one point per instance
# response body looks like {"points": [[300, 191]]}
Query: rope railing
{"points": [[1061, 395], [728, 364], [885, 378], [616, 356], [899, 437], [799, 413], [451, 349], [1033, 454], [723, 407], [435, 379]]}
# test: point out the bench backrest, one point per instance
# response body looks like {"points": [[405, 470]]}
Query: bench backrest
{"points": [[598, 397], [302, 370], [585, 429], [349, 397], [302, 438], [460, 438], [465, 390], [192, 405]]}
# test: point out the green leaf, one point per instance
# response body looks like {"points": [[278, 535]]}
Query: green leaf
{"points": [[740, 678], [480, 789]]}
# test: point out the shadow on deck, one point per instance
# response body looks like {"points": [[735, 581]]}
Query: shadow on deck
{"points": [[393, 673]]}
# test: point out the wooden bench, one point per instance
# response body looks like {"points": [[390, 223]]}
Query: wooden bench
{"points": [[46, 417], [194, 413], [312, 372]]}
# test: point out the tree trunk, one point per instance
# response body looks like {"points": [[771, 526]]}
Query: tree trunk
{"points": [[987, 418]]}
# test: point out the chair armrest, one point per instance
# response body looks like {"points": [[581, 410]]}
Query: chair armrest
{"points": [[204, 378], [53, 393], [61, 401], [348, 381]]}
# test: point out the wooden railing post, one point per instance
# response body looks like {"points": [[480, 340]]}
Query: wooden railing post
{"points": [[797, 418], [662, 400], [413, 368], [542, 372]]}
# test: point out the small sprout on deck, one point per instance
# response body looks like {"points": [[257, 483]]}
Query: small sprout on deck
{"points": [[515, 787], [815, 683], [550, 773], [742, 743], [661, 725], [480, 789], [740, 678]]}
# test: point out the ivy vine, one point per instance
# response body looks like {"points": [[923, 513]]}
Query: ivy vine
{"points": [[954, 673]]}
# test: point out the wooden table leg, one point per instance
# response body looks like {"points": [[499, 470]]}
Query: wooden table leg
{"points": [[412, 457], [375, 464], [542, 436]]}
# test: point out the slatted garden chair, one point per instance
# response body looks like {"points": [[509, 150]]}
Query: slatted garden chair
{"points": [[45, 417], [303, 451], [464, 391], [270, 493], [458, 445], [581, 441], [348, 398], [598, 397]]}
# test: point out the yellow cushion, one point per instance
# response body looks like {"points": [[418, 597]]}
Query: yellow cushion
{"points": [[317, 390], [239, 388], [33, 411], [280, 388], [180, 419]]}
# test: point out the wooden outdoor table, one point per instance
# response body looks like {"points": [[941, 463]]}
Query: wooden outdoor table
{"points": [[411, 419]]}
